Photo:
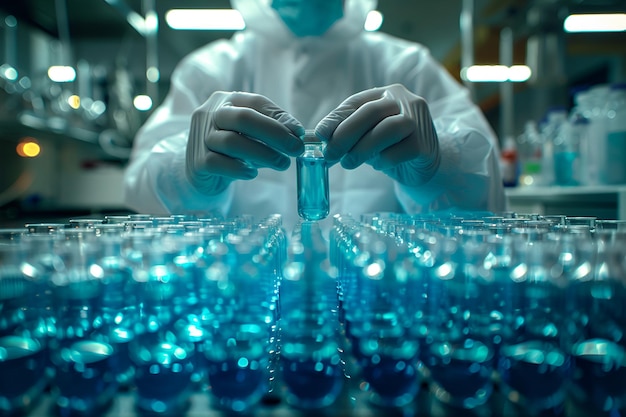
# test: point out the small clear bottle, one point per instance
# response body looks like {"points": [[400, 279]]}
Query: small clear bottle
{"points": [[566, 148], [312, 179], [596, 113], [555, 119], [530, 145], [615, 172], [588, 114]]}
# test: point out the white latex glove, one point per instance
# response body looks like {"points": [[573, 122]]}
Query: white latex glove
{"points": [[389, 128], [233, 134]]}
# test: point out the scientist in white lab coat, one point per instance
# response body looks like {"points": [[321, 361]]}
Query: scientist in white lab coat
{"points": [[403, 135]]}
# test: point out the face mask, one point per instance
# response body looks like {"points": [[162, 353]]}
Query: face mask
{"points": [[309, 17]]}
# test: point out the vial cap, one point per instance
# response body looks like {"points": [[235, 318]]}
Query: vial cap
{"points": [[310, 137]]}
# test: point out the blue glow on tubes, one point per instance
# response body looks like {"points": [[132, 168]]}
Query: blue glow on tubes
{"points": [[312, 177]]}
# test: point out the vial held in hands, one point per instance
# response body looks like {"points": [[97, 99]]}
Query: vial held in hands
{"points": [[312, 179]]}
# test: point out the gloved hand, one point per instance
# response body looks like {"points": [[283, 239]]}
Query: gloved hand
{"points": [[389, 128], [233, 134]]}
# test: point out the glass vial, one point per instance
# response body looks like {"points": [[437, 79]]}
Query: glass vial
{"points": [[615, 169], [312, 178]]}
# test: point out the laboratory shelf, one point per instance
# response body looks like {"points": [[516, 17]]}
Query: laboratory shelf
{"points": [[603, 201], [56, 127]]}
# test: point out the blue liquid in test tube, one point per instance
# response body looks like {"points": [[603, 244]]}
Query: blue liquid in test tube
{"points": [[312, 177], [23, 337]]}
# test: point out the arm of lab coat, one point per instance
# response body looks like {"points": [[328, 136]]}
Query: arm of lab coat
{"points": [[469, 175], [468, 178], [155, 180]]}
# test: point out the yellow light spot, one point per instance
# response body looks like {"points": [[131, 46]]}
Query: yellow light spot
{"points": [[74, 101], [28, 148]]}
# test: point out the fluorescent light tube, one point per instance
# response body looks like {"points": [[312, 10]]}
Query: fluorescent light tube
{"points": [[228, 19], [61, 74], [519, 73], [204, 19], [615, 22], [496, 73]]}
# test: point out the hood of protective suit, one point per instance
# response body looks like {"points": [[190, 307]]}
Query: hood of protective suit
{"points": [[263, 20]]}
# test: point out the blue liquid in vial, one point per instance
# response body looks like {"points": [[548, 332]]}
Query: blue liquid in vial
{"points": [[537, 370], [121, 316], [312, 178], [312, 372], [600, 373], [238, 383], [238, 365], [462, 373], [393, 382], [598, 350], [25, 368], [387, 358], [312, 384], [85, 376], [22, 364], [163, 373]]}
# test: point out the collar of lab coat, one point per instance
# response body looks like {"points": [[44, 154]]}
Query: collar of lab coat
{"points": [[260, 18]]}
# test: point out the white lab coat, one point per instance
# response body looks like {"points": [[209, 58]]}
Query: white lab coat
{"points": [[309, 77]]}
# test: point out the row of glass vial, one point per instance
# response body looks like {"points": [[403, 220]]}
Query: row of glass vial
{"points": [[163, 310], [165, 305], [583, 146], [535, 310]]}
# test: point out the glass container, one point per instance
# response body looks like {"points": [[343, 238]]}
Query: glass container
{"points": [[312, 178]]}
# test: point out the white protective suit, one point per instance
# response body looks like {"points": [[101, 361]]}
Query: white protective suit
{"points": [[309, 77]]}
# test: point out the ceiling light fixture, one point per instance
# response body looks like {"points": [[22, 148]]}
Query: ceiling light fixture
{"points": [[62, 73], [611, 22], [229, 19], [204, 19], [496, 73]]}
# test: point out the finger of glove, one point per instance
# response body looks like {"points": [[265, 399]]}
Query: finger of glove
{"points": [[421, 146], [256, 125], [253, 152], [277, 126], [222, 165], [267, 107], [351, 131], [327, 126], [390, 131]]}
